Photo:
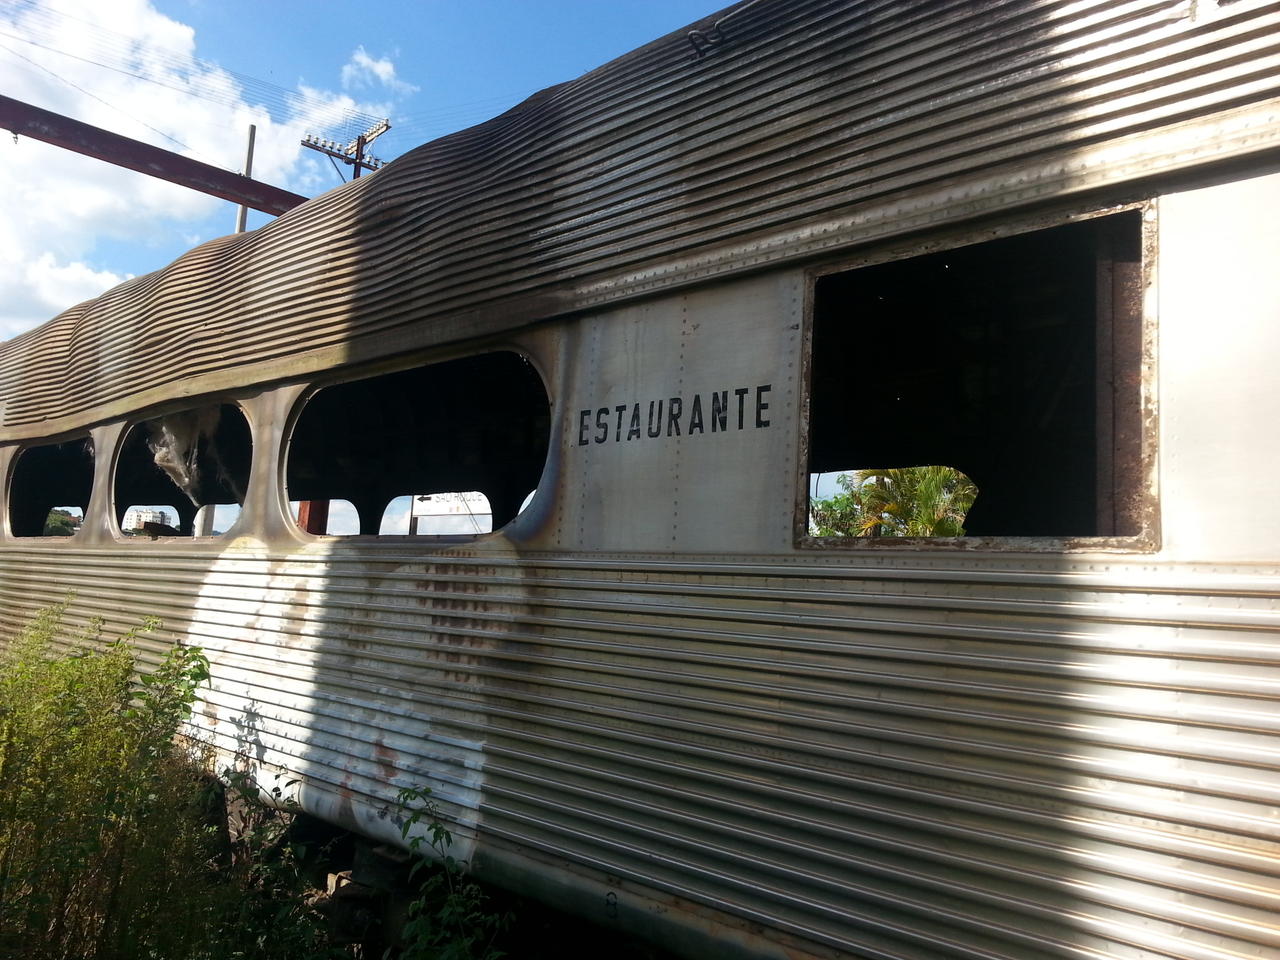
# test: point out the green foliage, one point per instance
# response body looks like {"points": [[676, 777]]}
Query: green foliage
{"points": [[98, 822], [448, 920], [60, 523], [275, 914], [901, 502], [108, 850]]}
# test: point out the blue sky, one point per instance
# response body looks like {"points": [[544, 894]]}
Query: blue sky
{"points": [[190, 75]]}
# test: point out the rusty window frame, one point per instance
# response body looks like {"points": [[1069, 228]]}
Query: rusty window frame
{"points": [[1125, 350]]}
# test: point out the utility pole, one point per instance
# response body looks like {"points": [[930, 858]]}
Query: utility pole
{"points": [[248, 172], [359, 156], [353, 153], [313, 515]]}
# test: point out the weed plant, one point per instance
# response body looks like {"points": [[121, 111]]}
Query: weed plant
{"points": [[276, 913], [448, 920], [102, 843], [107, 847]]}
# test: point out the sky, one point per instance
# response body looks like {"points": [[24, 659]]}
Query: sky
{"points": [[191, 75]]}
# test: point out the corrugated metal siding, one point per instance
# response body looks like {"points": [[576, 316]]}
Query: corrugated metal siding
{"points": [[817, 125], [918, 758]]}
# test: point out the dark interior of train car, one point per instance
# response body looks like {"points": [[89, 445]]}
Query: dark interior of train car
{"points": [[1010, 360], [48, 476], [476, 424]]}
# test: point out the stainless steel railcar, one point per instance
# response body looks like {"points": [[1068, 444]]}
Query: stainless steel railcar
{"points": [[1033, 240]]}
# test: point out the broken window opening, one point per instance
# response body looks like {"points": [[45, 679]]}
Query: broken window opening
{"points": [[1012, 363], [182, 464], [49, 489], [479, 424], [63, 522], [215, 519]]}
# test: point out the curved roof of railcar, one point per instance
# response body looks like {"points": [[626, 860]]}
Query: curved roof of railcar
{"points": [[814, 125]]}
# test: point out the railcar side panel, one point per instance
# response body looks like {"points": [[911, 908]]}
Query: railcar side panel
{"points": [[680, 427], [1219, 305]]}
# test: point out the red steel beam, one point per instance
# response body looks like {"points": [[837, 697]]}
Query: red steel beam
{"points": [[28, 121]]}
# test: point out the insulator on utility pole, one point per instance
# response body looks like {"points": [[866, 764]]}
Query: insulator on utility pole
{"points": [[353, 153]]}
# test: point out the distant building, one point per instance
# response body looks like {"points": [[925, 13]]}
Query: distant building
{"points": [[135, 517]]}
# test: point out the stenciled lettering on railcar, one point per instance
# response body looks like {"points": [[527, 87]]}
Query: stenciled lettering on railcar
{"points": [[718, 411]]}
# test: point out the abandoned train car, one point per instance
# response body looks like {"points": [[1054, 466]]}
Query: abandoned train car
{"points": [[633, 322]]}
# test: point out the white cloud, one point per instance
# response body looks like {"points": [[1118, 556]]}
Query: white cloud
{"points": [[396, 517], [75, 226], [35, 288], [343, 519], [51, 281], [364, 71]]}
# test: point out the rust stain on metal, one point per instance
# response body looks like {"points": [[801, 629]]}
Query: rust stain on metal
{"points": [[386, 757]]}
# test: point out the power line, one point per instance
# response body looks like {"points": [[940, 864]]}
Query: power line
{"points": [[208, 81], [88, 93], [287, 103], [125, 48], [457, 116], [111, 50]]}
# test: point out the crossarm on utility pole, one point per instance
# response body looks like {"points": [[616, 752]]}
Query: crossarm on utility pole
{"points": [[25, 120]]}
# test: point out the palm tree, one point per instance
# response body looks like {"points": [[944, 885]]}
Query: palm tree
{"points": [[897, 502]]}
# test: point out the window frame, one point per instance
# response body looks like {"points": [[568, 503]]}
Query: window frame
{"points": [[139, 419], [1129, 461], [19, 450]]}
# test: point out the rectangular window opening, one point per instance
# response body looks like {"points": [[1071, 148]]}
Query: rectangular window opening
{"points": [[991, 390]]}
